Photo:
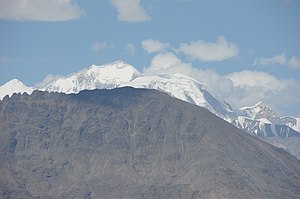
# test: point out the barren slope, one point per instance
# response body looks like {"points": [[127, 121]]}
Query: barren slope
{"points": [[133, 143]]}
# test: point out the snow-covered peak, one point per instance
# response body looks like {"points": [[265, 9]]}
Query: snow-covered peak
{"points": [[257, 106], [263, 114], [14, 86], [187, 89], [104, 76], [259, 111], [261, 107], [118, 70], [14, 82]]}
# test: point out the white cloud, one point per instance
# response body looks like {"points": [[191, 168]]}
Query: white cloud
{"points": [[265, 61], [152, 46], [48, 79], [100, 46], [209, 51], [39, 10], [253, 86], [130, 11], [254, 78], [243, 88], [130, 49], [160, 62], [294, 63]]}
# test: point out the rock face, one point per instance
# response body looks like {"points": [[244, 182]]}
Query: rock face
{"points": [[133, 143]]}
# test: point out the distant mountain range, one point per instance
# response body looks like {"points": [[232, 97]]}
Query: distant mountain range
{"points": [[133, 143], [259, 120]]}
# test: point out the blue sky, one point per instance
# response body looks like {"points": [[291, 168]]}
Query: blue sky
{"points": [[247, 51]]}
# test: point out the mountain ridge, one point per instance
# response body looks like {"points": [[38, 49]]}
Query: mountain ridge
{"points": [[134, 143], [120, 73]]}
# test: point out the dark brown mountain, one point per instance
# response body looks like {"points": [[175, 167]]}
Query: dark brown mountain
{"points": [[133, 143]]}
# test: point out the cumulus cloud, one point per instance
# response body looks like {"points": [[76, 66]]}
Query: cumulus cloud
{"points": [[253, 78], [265, 61], [160, 62], [280, 59], [243, 88], [130, 49], [253, 86], [39, 10], [130, 11], [97, 47], [153, 46], [294, 63], [210, 51]]}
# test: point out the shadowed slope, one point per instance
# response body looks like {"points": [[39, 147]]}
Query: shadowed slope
{"points": [[133, 143]]}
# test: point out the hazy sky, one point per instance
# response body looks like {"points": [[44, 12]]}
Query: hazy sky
{"points": [[246, 50]]}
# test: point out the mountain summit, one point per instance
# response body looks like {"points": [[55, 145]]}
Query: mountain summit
{"points": [[110, 76], [260, 111], [14, 86]]}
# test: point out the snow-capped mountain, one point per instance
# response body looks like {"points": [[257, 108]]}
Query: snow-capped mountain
{"points": [[258, 111], [106, 76], [14, 86], [258, 119], [261, 120], [119, 74]]}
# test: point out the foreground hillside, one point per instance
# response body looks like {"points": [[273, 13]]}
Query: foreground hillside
{"points": [[133, 143]]}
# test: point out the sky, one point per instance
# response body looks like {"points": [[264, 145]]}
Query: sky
{"points": [[245, 50]]}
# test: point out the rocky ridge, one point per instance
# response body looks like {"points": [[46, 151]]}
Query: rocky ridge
{"points": [[133, 143]]}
